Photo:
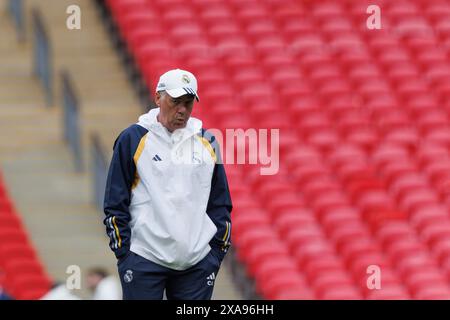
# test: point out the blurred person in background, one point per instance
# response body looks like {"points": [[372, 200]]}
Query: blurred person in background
{"points": [[167, 201], [59, 291], [102, 285]]}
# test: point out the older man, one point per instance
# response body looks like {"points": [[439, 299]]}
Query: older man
{"points": [[167, 202]]}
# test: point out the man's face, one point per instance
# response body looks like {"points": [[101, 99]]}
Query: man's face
{"points": [[174, 112]]}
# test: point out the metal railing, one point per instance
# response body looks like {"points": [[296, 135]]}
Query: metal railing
{"points": [[42, 56], [99, 170], [17, 13], [72, 130]]}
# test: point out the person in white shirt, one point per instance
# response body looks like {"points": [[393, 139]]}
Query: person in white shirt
{"points": [[60, 292], [102, 285]]}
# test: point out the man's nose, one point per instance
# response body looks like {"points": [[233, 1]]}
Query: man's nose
{"points": [[182, 107]]}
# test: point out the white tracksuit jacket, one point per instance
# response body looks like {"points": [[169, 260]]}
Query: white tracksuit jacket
{"points": [[167, 196]]}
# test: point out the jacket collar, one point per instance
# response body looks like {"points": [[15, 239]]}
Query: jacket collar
{"points": [[151, 123]]}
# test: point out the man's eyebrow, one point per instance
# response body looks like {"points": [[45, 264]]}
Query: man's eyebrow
{"points": [[188, 98]]}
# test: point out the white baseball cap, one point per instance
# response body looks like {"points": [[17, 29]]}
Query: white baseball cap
{"points": [[177, 83]]}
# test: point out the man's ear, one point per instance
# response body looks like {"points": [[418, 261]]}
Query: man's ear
{"points": [[158, 99]]}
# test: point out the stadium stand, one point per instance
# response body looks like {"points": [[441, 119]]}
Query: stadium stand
{"points": [[364, 119]]}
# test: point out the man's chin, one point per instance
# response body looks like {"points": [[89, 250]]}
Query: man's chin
{"points": [[179, 125]]}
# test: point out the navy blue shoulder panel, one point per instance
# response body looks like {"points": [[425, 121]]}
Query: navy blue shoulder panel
{"points": [[121, 174], [213, 142]]}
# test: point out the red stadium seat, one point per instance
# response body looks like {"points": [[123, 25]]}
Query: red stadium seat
{"points": [[331, 283], [10, 221], [139, 20], [12, 234], [436, 292], [310, 250], [300, 236], [246, 240], [389, 293], [315, 189], [434, 232], [337, 218], [278, 283], [341, 292], [290, 219], [292, 26], [351, 251], [249, 220], [215, 12], [33, 294], [441, 250], [418, 199], [119, 7], [23, 284], [5, 205], [294, 294], [268, 268], [320, 265], [23, 266], [333, 201], [16, 251]]}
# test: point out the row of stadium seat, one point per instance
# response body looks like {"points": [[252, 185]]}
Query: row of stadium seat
{"points": [[364, 134], [24, 276]]}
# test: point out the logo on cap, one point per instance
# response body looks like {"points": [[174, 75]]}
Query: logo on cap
{"points": [[185, 78]]}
